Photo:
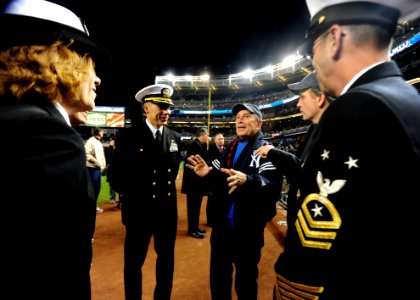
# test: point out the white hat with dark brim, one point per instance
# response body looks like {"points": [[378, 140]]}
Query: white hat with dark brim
{"points": [[409, 9], [385, 13], [156, 93], [39, 22]]}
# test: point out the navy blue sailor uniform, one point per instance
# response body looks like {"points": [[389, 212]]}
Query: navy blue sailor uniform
{"points": [[353, 233], [142, 170], [240, 243]]}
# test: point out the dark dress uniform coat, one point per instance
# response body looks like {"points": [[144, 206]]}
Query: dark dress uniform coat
{"points": [[144, 173], [191, 182], [353, 234], [49, 206], [215, 155], [194, 186], [290, 165]]}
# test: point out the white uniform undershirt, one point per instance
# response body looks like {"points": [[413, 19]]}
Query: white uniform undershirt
{"points": [[63, 112], [153, 129], [358, 75]]}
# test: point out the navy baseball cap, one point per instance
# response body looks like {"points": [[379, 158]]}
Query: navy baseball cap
{"points": [[310, 81], [250, 107]]}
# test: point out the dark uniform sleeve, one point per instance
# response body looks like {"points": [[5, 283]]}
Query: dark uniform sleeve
{"points": [[117, 173]]}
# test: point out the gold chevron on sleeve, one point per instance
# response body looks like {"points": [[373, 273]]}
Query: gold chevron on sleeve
{"points": [[308, 228], [310, 243], [286, 289], [335, 221]]}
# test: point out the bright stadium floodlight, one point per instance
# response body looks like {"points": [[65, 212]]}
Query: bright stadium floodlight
{"points": [[268, 69], [289, 61], [247, 73], [187, 78], [246, 78], [168, 78], [205, 77]]}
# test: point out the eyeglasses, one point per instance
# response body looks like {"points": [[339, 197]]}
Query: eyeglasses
{"points": [[316, 42]]}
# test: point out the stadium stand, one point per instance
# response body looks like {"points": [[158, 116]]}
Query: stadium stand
{"points": [[205, 101]]}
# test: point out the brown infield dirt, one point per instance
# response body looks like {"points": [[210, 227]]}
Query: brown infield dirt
{"points": [[192, 257]]}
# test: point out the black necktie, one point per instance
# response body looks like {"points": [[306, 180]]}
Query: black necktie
{"points": [[158, 137]]}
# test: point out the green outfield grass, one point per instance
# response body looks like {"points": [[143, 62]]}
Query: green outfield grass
{"points": [[104, 194]]}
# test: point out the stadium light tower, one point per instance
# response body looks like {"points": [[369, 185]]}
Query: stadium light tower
{"points": [[208, 117]]}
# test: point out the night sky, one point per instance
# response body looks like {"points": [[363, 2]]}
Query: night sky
{"points": [[216, 37]]}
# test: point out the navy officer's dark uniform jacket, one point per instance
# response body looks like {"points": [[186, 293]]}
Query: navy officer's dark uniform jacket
{"points": [[191, 182], [290, 165], [50, 209], [145, 173], [356, 224]]}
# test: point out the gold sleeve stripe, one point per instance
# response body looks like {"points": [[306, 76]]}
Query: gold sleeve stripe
{"points": [[314, 233], [308, 243], [286, 289]]}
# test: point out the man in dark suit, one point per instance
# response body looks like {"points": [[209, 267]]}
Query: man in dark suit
{"points": [[50, 219], [194, 186], [361, 166], [215, 155], [143, 170]]}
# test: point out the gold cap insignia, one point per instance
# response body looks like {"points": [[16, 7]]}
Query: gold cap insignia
{"points": [[166, 93]]}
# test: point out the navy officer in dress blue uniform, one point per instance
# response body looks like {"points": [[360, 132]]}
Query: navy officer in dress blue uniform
{"points": [[143, 170], [353, 234], [46, 78]]}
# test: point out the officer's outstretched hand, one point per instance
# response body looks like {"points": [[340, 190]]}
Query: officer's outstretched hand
{"points": [[198, 165]]}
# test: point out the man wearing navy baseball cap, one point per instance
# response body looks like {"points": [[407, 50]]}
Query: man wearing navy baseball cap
{"points": [[312, 102], [245, 187], [363, 158], [247, 106], [308, 82]]}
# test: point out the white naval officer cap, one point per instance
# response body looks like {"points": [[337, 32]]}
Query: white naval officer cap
{"points": [[409, 9], [385, 13], [156, 93], [39, 22]]}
